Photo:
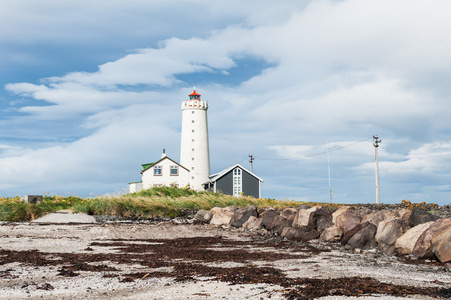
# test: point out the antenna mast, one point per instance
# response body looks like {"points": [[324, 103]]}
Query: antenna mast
{"points": [[376, 141]]}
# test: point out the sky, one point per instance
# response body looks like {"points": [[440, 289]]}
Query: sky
{"points": [[90, 90]]}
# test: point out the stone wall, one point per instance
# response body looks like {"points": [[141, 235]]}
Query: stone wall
{"points": [[396, 229]]}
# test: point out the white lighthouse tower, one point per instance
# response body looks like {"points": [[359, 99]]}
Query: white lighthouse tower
{"points": [[194, 150]]}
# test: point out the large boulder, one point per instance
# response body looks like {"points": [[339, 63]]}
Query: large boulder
{"points": [[280, 223], [332, 234], [300, 233], [222, 216], [340, 211], [364, 238], [242, 215], [269, 218], [423, 245], [441, 245], [350, 233], [322, 218], [289, 213], [305, 217], [203, 215], [406, 242], [347, 220], [253, 223], [420, 216], [387, 234], [377, 217]]}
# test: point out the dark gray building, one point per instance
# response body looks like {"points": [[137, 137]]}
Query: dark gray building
{"points": [[235, 181]]}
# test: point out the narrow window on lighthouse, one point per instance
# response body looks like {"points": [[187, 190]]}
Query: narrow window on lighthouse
{"points": [[192, 121]]}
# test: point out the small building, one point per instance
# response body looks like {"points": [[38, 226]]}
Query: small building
{"points": [[164, 172], [235, 181]]}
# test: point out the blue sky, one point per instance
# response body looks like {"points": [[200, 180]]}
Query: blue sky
{"points": [[90, 90]]}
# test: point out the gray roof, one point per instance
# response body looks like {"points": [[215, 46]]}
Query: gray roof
{"points": [[216, 176]]}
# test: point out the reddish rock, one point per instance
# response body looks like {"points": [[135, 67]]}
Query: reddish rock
{"points": [[423, 245], [406, 242], [347, 220], [332, 234], [441, 245], [364, 238], [340, 211], [387, 234], [269, 218], [350, 233]]}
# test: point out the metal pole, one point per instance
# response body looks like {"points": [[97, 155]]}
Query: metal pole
{"points": [[328, 172], [251, 159], [376, 147]]}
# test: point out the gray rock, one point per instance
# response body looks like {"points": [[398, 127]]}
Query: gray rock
{"points": [[242, 215], [203, 215], [253, 223], [347, 220], [364, 238], [270, 218], [420, 216]]}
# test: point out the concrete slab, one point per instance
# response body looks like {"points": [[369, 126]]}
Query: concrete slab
{"points": [[64, 217]]}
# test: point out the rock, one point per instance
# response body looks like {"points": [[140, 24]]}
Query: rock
{"points": [[289, 213], [304, 217], [301, 233], [406, 242], [350, 233], [332, 234], [420, 216], [377, 217], [322, 218], [303, 206], [423, 245], [340, 211], [269, 218], [364, 238], [242, 215], [347, 220], [203, 215], [222, 216], [441, 245], [374, 218], [280, 223], [253, 223], [388, 232]]}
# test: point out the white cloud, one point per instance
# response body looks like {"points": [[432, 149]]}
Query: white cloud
{"points": [[339, 71]]}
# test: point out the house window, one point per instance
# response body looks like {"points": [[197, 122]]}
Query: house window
{"points": [[237, 182], [157, 170], [174, 170]]}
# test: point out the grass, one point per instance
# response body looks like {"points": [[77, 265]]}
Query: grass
{"points": [[158, 201]]}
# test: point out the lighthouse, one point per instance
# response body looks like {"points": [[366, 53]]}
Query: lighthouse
{"points": [[194, 149]]}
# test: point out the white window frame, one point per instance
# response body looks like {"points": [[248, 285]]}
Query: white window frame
{"points": [[237, 182], [176, 168], [157, 168]]}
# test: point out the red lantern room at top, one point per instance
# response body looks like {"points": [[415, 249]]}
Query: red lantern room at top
{"points": [[194, 96]]}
